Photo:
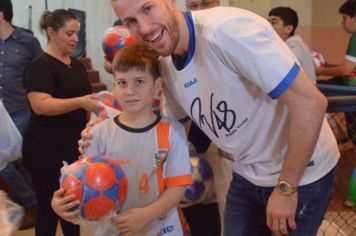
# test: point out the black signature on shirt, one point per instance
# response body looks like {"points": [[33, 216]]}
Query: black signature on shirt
{"points": [[220, 116]]}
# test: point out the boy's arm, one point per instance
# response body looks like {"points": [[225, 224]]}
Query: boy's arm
{"points": [[133, 220], [344, 69]]}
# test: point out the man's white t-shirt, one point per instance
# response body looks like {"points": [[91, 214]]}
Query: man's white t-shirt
{"points": [[236, 66]]}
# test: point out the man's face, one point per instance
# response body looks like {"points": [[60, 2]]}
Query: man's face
{"points": [[278, 25], [349, 23], [201, 4], [151, 22]]}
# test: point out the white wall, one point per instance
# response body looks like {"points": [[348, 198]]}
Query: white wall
{"points": [[99, 16]]}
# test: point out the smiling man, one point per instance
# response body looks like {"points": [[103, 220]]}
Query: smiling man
{"points": [[248, 94]]}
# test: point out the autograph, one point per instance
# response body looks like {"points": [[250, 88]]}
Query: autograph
{"points": [[220, 117]]}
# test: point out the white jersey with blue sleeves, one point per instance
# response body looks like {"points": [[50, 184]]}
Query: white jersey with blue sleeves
{"points": [[236, 68]]}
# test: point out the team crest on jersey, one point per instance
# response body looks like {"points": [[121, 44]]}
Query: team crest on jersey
{"points": [[160, 157]]}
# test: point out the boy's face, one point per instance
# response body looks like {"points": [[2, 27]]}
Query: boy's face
{"points": [[135, 90], [349, 23], [278, 26], [153, 22], [201, 4]]}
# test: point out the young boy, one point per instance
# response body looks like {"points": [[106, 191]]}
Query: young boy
{"points": [[284, 21], [348, 68], [154, 148]]}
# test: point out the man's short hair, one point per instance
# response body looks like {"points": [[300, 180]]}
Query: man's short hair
{"points": [[348, 8], [287, 15], [6, 8], [138, 57]]}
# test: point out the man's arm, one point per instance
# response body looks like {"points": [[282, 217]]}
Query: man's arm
{"points": [[307, 108], [108, 66]]}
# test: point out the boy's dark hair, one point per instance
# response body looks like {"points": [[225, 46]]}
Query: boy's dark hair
{"points": [[348, 8], [287, 15], [6, 8], [139, 57]]}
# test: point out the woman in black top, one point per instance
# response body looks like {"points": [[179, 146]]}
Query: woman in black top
{"points": [[60, 96]]}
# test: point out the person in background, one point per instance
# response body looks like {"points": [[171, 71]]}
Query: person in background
{"points": [[284, 21], [231, 73], [154, 149], [60, 96], [194, 5], [348, 68], [18, 48]]}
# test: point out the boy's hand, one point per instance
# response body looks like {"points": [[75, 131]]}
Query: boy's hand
{"points": [[62, 205], [131, 221]]}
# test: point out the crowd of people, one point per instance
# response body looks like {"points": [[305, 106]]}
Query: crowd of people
{"points": [[259, 122]]}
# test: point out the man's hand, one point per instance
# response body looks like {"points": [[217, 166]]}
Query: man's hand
{"points": [[83, 143], [280, 212], [131, 221]]}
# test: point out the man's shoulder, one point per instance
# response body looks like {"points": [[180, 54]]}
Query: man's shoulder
{"points": [[219, 15], [22, 32], [295, 40], [24, 35]]}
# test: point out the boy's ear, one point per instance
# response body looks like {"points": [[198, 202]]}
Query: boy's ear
{"points": [[288, 29]]}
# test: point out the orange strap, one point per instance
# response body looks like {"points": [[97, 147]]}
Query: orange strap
{"points": [[162, 135]]}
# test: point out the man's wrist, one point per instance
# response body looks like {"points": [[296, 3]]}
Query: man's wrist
{"points": [[286, 188]]}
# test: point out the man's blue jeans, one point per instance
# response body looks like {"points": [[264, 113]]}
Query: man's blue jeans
{"points": [[14, 174], [245, 211]]}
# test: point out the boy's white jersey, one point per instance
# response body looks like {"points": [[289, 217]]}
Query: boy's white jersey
{"points": [[153, 158], [237, 65], [301, 50]]}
